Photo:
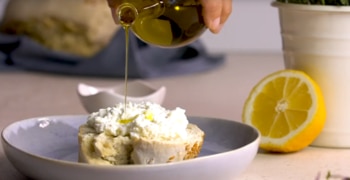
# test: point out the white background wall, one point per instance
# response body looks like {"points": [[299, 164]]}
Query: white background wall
{"points": [[253, 26]]}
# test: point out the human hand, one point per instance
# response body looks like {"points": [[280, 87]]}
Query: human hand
{"points": [[113, 4], [215, 12]]}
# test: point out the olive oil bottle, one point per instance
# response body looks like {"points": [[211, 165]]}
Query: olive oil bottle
{"points": [[163, 23]]}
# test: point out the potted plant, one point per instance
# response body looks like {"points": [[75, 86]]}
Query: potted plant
{"points": [[316, 39]]}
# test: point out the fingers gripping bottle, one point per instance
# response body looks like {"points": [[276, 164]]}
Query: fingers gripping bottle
{"points": [[163, 23]]}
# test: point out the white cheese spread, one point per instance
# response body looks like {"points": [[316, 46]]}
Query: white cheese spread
{"points": [[147, 120]]}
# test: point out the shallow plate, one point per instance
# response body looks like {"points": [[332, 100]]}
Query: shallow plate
{"points": [[47, 148]]}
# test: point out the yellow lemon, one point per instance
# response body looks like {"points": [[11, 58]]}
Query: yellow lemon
{"points": [[288, 109]]}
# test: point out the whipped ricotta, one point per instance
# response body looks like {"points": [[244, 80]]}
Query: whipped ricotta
{"points": [[146, 119]]}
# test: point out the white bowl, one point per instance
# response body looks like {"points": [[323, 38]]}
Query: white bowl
{"points": [[47, 148], [94, 98]]}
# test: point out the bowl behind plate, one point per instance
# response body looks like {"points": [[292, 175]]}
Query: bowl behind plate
{"points": [[51, 143], [94, 98]]}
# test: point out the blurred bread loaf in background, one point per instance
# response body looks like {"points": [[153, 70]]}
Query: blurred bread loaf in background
{"points": [[79, 27]]}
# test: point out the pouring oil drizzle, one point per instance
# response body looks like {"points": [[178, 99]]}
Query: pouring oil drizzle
{"points": [[126, 29], [127, 15]]}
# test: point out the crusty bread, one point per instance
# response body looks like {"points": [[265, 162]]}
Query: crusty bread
{"points": [[103, 149], [157, 151], [80, 27]]}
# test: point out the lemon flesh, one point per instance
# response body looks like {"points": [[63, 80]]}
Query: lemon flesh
{"points": [[288, 109]]}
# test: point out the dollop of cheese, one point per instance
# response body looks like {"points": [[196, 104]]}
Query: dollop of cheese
{"points": [[148, 120]]}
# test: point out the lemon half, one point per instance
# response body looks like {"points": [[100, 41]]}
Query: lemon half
{"points": [[288, 109]]}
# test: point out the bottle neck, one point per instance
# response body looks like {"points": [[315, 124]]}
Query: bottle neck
{"points": [[127, 13]]}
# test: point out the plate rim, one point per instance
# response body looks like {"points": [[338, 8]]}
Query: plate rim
{"points": [[255, 141]]}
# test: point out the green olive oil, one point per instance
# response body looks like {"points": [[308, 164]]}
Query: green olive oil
{"points": [[164, 23]]}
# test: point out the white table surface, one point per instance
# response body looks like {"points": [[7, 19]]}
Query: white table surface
{"points": [[218, 93]]}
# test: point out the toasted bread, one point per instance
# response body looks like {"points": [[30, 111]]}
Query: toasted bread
{"points": [[103, 149]]}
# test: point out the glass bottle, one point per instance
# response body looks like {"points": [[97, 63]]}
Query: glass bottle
{"points": [[163, 23]]}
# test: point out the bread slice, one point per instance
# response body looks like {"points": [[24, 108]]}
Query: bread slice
{"points": [[102, 149], [157, 151]]}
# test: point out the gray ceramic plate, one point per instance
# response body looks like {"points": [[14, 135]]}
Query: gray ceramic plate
{"points": [[47, 148]]}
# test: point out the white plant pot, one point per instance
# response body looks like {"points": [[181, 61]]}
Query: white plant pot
{"points": [[316, 40]]}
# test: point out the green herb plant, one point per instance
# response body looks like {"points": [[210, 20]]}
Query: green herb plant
{"points": [[340, 177], [319, 2], [331, 176]]}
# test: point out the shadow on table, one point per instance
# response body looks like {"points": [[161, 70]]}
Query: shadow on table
{"points": [[9, 172]]}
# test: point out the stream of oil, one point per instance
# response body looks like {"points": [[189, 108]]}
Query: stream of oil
{"points": [[126, 29], [126, 16]]}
